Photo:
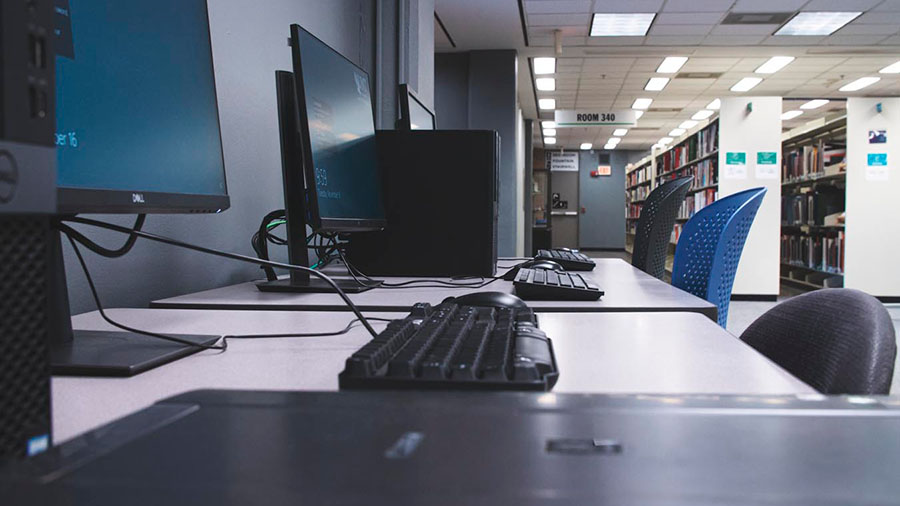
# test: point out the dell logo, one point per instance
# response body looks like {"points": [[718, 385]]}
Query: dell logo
{"points": [[137, 198]]}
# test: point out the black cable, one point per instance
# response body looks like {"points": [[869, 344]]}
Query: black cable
{"points": [[314, 334], [112, 253], [232, 256]]}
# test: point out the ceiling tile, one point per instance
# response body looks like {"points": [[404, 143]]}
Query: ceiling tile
{"points": [[698, 5], [854, 40], [658, 29], [861, 29], [788, 40], [673, 40], [767, 5], [579, 30], [736, 40], [891, 41], [557, 19], [879, 18], [888, 5], [688, 18], [627, 6], [840, 5], [558, 6], [744, 29]]}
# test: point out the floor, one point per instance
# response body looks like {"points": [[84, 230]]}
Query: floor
{"points": [[742, 313]]}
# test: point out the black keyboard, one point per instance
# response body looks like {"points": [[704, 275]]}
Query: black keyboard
{"points": [[569, 260], [456, 347], [540, 284]]}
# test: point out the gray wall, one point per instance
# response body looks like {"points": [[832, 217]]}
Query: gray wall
{"points": [[603, 225], [249, 43], [477, 90]]}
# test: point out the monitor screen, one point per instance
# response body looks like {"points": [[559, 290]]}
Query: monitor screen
{"points": [[420, 118], [137, 119], [338, 126]]}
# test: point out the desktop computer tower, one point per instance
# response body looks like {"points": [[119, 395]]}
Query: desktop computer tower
{"points": [[27, 202], [441, 203]]}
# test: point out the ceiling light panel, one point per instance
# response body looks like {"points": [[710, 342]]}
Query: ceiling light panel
{"points": [[656, 83], [791, 114], [619, 132], [746, 84], [687, 124], [621, 24], [701, 115], [671, 64], [676, 132], [586, 145], [664, 141], [642, 103], [549, 140], [774, 64], [814, 104], [547, 103], [545, 84], [549, 132], [893, 68], [544, 65], [714, 105], [817, 23], [609, 147], [638, 114], [548, 124], [614, 140], [860, 83]]}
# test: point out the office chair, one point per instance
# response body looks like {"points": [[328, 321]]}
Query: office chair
{"points": [[710, 247], [654, 227], [837, 340]]}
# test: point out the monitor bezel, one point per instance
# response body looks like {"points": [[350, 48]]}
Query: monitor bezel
{"points": [[316, 221], [406, 93], [73, 200]]}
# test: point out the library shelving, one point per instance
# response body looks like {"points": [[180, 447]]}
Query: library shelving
{"points": [[813, 188], [638, 184]]}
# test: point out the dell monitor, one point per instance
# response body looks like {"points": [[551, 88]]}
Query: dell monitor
{"points": [[414, 114], [329, 157], [137, 131]]}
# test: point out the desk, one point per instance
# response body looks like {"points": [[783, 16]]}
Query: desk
{"points": [[627, 289], [596, 353]]}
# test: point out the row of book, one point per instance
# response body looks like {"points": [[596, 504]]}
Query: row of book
{"points": [[696, 202], [811, 161], [811, 208], [633, 211], [639, 193], [694, 147], [637, 176], [822, 253], [704, 172]]}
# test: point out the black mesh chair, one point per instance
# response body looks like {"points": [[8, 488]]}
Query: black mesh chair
{"points": [[839, 341], [654, 227]]}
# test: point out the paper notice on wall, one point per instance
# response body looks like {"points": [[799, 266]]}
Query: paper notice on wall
{"points": [[565, 161], [767, 165], [877, 167], [735, 166]]}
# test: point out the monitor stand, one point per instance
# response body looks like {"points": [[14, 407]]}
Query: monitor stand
{"points": [[101, 353], [295, 203]]}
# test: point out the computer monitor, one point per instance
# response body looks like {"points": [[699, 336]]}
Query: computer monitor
{"points": [[329, 158], [414, 115], [137, 131]]}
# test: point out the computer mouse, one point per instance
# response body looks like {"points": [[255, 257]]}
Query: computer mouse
{"points": [[567, 250], [547, 265], [489, 299]]}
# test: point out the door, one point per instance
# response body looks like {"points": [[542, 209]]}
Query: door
{"points": [[601, 216], [564, 208]]}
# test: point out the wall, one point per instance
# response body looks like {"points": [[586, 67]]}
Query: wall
{"points": [[756, 131], [249, 44], [477, 90], [872, 238]]}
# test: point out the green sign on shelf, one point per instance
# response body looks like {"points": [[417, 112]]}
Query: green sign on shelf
{"points": [[766, 158], [877, 160], [735, 158]]}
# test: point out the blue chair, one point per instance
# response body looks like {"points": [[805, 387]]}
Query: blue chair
{"points": [[710, 247]]}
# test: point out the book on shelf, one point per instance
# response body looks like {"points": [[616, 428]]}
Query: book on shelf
{"points": [[811, 208], [820, 252], [697, 201], [637, 176], [812, 160]]}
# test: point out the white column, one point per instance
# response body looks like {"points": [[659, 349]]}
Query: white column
{"points": [[750, 127], [872, 237]]}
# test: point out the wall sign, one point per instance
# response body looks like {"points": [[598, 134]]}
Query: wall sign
{"points": [[876, 167], [735, 165], [589, 117], [767, 165], [602, 170], [565, 161]]}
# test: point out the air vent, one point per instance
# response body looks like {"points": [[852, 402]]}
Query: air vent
{"points": [[757, 18], [698, 75]]}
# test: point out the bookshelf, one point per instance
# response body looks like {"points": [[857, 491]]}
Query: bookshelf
{"points": [[813, 196], [638, 184]]}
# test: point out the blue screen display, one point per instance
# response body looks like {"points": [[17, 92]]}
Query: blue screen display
{"points": [[342, 133], [135, 101]]}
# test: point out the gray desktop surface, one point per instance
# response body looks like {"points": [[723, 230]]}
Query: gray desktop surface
{"points": [[627, 289], [660, 353], [475, 448]]}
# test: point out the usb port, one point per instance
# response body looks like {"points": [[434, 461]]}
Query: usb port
{"points": [[37, 102], [37, 51]]}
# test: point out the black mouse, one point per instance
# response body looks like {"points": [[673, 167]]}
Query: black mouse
{"points": [[489, 299], [547, 265]]}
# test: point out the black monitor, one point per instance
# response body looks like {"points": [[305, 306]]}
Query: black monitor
{"points": [[414, 114], [137, 132], [329, 157]]}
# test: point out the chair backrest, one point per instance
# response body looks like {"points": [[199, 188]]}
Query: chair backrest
{"points": [[837, 340], [654, 227], [710, 247]]}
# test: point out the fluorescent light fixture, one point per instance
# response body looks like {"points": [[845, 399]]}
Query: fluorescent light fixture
{"points": [[619, 132], [675, 132], [544, 65], [893, 68], [549, 132], [817, 23], [609, 147], [671, 64], [656, 83], [687, 124], [664, 141], [549, 140], [638, 114], [714, 105], [642, 103], [586, 145], [774, 64], [547, 103], [621, 24], [860, 83], [545, 83], [701, 115], [814, 104], [548, 124], [614, 140], [746, 84], [791, 114]]}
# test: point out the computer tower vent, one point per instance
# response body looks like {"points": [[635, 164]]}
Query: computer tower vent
{"points": [[24, 355]]}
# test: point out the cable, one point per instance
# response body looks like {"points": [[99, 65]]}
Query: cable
{"points": [[315, 334], [225, 254], [110, 253]]}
